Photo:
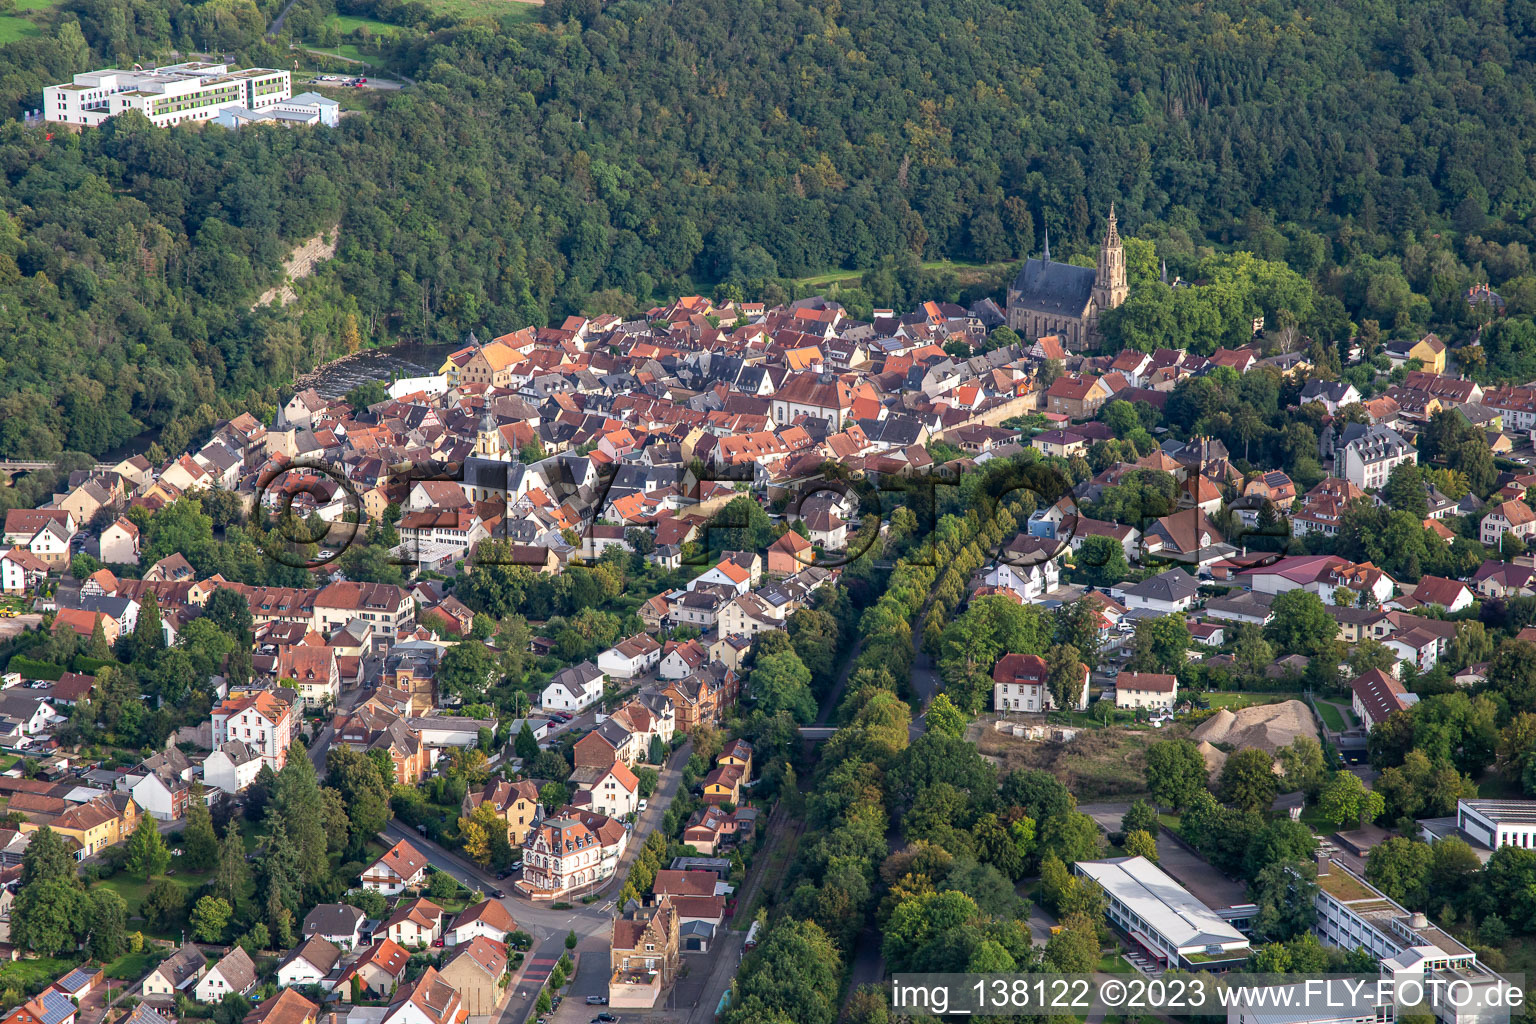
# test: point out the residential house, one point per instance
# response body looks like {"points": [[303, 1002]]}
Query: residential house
{"points": [[49, 1007], [643, 956], [388, 608], [1076, 397], [1452, 595], [723, 784], [1145, 690], [315, 674], [516, 803], [1186, 536], [93, 826], [570, 852], [340, 924], [287, 1007], [1376, 696], [309, 963], [235, 972], [378, 970], [1367, 454], [402, 867], [1164, 594], [120, 542], [488, 919], [177, 973], [21, 571], [631, 657], [701, 697], [574, 689], [416, 924], [1513, 516], [1505, 579], [606, 744], [232, 767], [478, 972], [259, 719], [789, 554], [427, 1000], [737, 752], [680, 658], [1019, 684]]}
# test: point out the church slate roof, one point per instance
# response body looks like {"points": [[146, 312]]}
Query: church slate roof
{"points": [[1047, 286]]}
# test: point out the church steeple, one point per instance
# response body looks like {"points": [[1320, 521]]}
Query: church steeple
{"points": [[1109, 286], [1045, 256]]}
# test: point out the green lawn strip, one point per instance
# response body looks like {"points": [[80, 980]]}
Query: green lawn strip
{"points": [[133, 966], [1331, 716]]}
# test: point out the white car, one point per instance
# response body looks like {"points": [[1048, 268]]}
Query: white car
{"points": [[640, 807]]}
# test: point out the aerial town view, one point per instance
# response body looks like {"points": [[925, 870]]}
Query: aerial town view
{"points": [[842, 512]]}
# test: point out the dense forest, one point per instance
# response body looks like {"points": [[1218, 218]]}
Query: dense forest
{"points": [[611, 154]]}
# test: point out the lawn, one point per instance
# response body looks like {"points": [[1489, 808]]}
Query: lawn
{"points": [[32, 975], [346, 23], [963, 268], [1332, 717], [505, 11], [1241, 699], [133, 966]]}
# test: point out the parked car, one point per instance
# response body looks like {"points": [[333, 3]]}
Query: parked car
{"points": [[597, 1000], [639, 807]]}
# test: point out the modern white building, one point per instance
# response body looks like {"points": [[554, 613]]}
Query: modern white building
{"points": [[307, 108], [1163, 917], [1352, 912], [1334, 1002], [193, 91], [1496, 823]]}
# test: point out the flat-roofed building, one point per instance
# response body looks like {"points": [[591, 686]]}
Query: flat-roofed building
{"points": [[192, 91], [1163, 917]]}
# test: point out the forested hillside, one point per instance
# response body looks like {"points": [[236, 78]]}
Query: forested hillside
{"points": [[617, 152]]}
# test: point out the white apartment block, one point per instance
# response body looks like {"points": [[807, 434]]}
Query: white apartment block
{"points": [[194, 91]]}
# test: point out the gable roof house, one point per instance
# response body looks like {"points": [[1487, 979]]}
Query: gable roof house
{"points": [[309, 963], [489, 919], [574, 688], [1376, 696], [340, 924], [176, 973], [402, 867], [378, 970], [478, 972], [234, 973]]}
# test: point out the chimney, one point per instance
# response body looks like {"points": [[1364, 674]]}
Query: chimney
{"points": [[1324, 863]]}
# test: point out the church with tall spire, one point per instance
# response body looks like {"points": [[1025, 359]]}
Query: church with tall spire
{"points": [[1048, 297]]}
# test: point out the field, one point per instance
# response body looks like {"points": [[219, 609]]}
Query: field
{"points": [[1235, 699], [20, 25], [1100, 764], [504, 11], [346, 23], [966, 271]]}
